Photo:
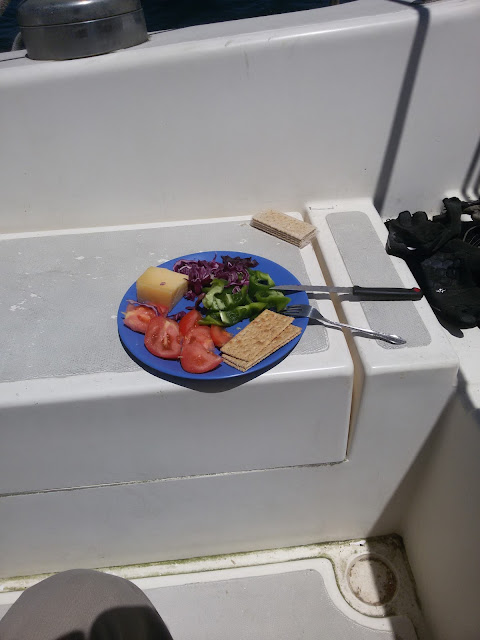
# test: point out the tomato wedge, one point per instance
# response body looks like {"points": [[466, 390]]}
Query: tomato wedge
{"points": [[137, 317], [163, 338], [201, 335], [219, 335], [196, 359], [189, 321], [162, 309]]}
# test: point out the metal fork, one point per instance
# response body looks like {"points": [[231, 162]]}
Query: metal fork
{"points": [[306, 311]]}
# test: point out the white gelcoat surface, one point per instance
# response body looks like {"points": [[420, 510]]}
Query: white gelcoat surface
{"points": [[442, 524], [274, 601], [394, 391], [136, 427], [100, 165], [195, 126], [243, 510], [441, 492]]}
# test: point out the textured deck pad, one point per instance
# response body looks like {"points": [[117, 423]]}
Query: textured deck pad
{"points": [[59, 294], [369, 265], [286, 606]]}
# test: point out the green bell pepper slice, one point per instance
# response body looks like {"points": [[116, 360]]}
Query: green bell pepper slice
{"points": [[231, 300], [212, 318], [211, 301], [272, 299], [230, 317], [240, 313], [219, 298], [259, 281]]}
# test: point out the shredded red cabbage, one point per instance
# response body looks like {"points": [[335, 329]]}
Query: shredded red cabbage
{"points": [[178, 316], [144, 304], [201, 272]]}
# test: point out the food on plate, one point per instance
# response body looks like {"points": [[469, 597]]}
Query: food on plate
{"points": [[201, 335], [259, 339], [195, 348], [233, 316], [225, 294], [271, 299], [260, 289], [219, 298], [188, 321], [228, 305], [259, 282], [138, 316], [200, 273], [284, 227], [196, 358], [163, 338], [256, 335], [219, 335], [230, 290], [198, 351], [288, 334], [161, 286]]}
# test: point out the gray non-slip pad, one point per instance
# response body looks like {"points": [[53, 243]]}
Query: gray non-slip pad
{"points": [[59, 294], [287, 606], [369, 265]]}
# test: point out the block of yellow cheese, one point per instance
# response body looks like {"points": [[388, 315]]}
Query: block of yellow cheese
{"points": [[161, 286]]}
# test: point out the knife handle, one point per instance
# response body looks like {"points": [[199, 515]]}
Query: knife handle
{"points": [[388, 293]]}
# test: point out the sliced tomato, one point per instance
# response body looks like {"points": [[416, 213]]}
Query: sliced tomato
{"points": [[138, 317], [201, 335], [196, 359], [162, 309], [163, 338], [189, 321], [219, 335]]}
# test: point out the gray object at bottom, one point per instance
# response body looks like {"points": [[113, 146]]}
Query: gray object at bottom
{"points": [[286, 606]]}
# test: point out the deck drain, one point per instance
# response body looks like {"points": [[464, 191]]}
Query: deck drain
{"points": [[371, 580]]}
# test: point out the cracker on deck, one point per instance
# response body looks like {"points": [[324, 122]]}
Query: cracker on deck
{"points": [[285, 227]]}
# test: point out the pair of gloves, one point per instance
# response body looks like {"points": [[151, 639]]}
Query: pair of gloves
{"points": [[445, 266]]}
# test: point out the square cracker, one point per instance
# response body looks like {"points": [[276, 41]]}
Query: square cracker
{"points": [[288, 334], [287, 238], [252, 340], [283, 226]]}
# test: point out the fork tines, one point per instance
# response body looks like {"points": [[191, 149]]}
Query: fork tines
{"points": [[294, 310]]}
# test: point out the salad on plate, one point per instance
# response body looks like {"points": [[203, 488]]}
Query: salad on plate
{"points": [[189, 308]]}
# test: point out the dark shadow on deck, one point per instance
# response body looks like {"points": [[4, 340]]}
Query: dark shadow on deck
{"points": [[403, 104]]}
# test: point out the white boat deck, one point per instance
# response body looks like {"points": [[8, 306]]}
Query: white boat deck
{"points": [[149, 427], [358, 590], [95, 465], [361, 110], [86, 430]]}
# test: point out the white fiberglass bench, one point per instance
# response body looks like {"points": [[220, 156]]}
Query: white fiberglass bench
{"points": [[87, 436]]}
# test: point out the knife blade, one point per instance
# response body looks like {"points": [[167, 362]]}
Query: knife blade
{"points": [[373, 293]]}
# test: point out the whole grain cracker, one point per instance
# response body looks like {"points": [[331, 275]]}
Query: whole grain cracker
{"points": [[285, 336], [286, 237], [288, 334], [252, 340], [284, 227]]}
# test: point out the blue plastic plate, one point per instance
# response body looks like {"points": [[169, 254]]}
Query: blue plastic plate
{"points": [[134, 342]]}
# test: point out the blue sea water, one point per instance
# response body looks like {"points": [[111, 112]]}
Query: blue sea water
{"points": [[175, 14]]}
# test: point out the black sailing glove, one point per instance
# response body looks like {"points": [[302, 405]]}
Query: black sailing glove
{"points": [[446, 268]]}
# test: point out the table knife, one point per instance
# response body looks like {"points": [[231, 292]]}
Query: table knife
{"points": [[373, 293]]}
